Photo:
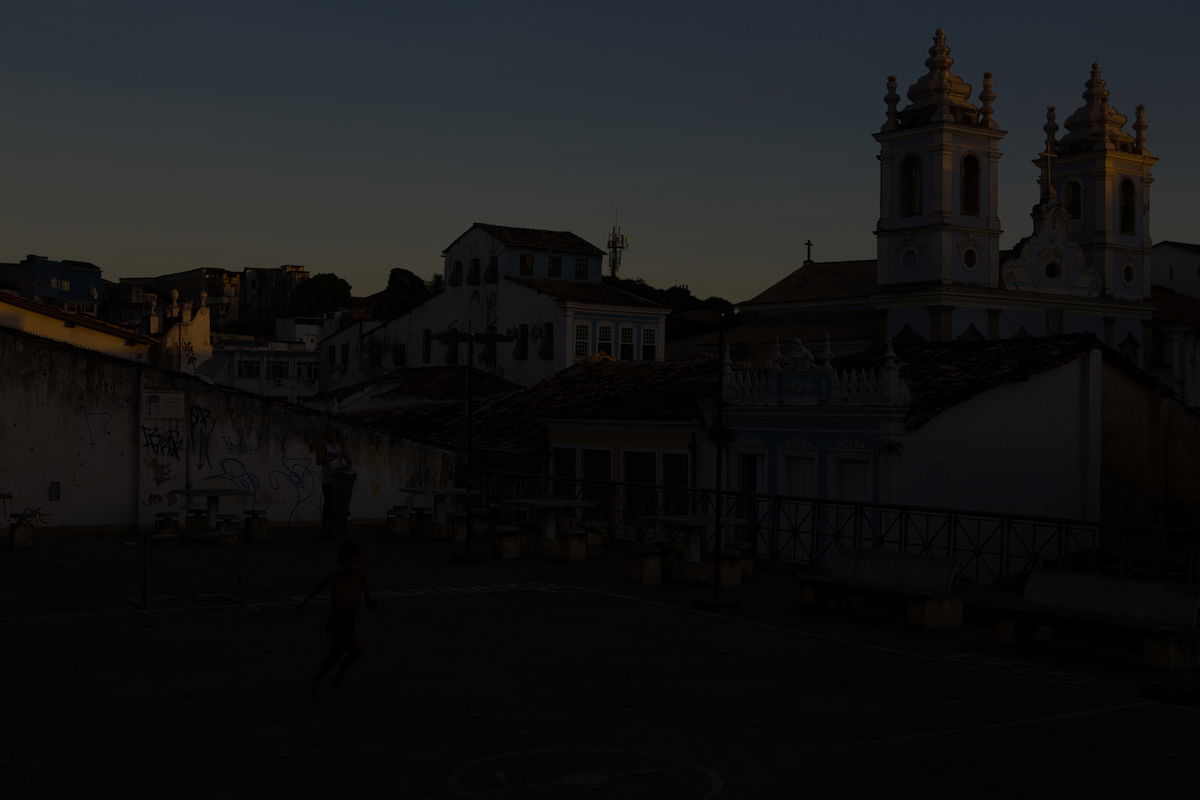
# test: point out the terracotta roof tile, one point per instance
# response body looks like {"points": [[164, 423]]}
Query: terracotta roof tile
{"points": [[1175, 307], [583, 292], [536, 239], [821, 281]]}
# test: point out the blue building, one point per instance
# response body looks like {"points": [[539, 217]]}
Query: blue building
{"points": [[68, 285]]}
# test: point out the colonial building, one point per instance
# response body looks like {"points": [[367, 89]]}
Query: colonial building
{"points": [[940, 274], [543, 289]]}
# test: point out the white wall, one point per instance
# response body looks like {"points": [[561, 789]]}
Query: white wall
{"points": [[1024, 448], [1177, 269]]}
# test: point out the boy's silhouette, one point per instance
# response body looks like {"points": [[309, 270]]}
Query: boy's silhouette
{"points": [[346, 585]]}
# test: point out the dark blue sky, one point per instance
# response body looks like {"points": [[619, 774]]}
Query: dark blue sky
{"points": [[354, 137]]}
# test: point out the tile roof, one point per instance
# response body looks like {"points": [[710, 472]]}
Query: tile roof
{"points": [[1191, 248], [583, 292], [751, 333], [594, 389], [82, 320], [535, 239], [941, 375], [433, 383], [1175, 307], [821, 281]]}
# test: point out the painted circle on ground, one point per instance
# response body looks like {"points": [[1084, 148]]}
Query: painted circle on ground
{"points": [[579, 771]]}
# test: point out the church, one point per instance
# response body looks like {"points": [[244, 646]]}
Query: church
{"points": [[940, 274]]}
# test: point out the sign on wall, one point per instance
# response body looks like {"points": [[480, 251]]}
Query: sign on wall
{"points": [[163, 405]]}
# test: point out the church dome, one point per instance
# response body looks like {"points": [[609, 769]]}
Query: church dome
{"points": [[1096, 125], [939, 95]]}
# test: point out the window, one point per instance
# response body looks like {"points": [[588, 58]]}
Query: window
{"points": [[911, 188], [581, 269], [1074, 200], [582, 345], [970, 186], [65, 285], [526, 263], [970, 258], [331, 355], [248, 369], [451, 355], [597, 472], [521, 347], [675, 473], [564, 472], [627, 344], [307, 371], [555, 266], [456, 274], [345, 355], [493, 268], [639, 469], [426, 346], [54, 283], [604, 340], [473, 272], [546, 348], [649, 353], [800, 474], [277, 370], [1128, 198], [852, 479]]}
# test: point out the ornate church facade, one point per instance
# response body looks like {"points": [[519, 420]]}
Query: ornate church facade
{"points": [[940, 273]]}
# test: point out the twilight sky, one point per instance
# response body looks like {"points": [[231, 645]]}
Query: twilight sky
{"points": [[150, 136]]}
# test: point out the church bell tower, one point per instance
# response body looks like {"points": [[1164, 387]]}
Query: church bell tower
{"points": [[938, 218]]}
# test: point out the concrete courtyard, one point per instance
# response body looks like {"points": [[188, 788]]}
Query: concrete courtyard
{"points": [[537, 679]]}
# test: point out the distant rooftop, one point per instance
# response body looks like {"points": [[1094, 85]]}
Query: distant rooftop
{"points": [[535, 239], [583, 292], [821, 281]]}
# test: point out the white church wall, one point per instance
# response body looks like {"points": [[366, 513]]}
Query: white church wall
{"points": [[1034, 323], [964, 318], [916, 318], [1026, 448]]}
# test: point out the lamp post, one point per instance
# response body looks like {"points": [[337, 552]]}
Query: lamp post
{"points": [[457, 337]]}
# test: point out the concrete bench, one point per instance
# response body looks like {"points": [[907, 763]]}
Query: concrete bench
{"points": [[20, 531], [1164, 613], [255, 525], [926, 583], [645, 567]]}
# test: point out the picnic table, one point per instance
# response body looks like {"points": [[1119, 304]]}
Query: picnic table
{"points": [[548, 509], [212, 498]]}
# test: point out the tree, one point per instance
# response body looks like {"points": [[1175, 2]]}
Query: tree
{"points": [[405, 291], [321, 293], [437, 283]]}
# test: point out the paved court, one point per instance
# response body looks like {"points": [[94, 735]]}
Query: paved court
{"points": [[537, 679]]}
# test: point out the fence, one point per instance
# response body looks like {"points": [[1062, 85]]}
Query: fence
{"points": [[993, 549]]}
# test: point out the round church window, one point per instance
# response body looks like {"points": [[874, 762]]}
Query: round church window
{"points": [[1053, 271], [910, 258], [1128, 274], [970, 258]]}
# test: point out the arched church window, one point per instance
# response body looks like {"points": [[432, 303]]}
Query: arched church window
{"points": [[911, 189], [1074, 200], [1127, 225], [969, 190]]}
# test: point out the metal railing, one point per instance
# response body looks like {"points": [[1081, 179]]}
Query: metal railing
{"points": [[993, 549]]}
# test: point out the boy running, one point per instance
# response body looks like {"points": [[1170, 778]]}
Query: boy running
{"points": [[346, 585]]}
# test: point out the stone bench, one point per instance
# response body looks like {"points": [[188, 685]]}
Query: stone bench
{"points": [[646, 564], [255, 526], [925, 583], [20, 531], [1164, 613]]}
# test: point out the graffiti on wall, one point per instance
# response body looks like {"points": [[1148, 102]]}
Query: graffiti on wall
{"points": [[162, 442], [97, 424], [237, 447], [234, 471], [200, 428], [298, 474]]}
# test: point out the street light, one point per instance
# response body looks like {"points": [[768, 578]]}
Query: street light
{"points": [[457, 337]]}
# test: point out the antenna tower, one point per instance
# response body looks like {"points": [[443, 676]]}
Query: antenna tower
{"points": [[617, 242]]}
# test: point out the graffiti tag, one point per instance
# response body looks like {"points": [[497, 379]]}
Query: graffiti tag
{"points": [[162, 443], [234, 471], [200, 428], [297, 473]]}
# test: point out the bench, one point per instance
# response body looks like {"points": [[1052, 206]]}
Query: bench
{"points": [[20, 531], [645, 567], [1165, 614], [255, 527], [926, 584]]}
